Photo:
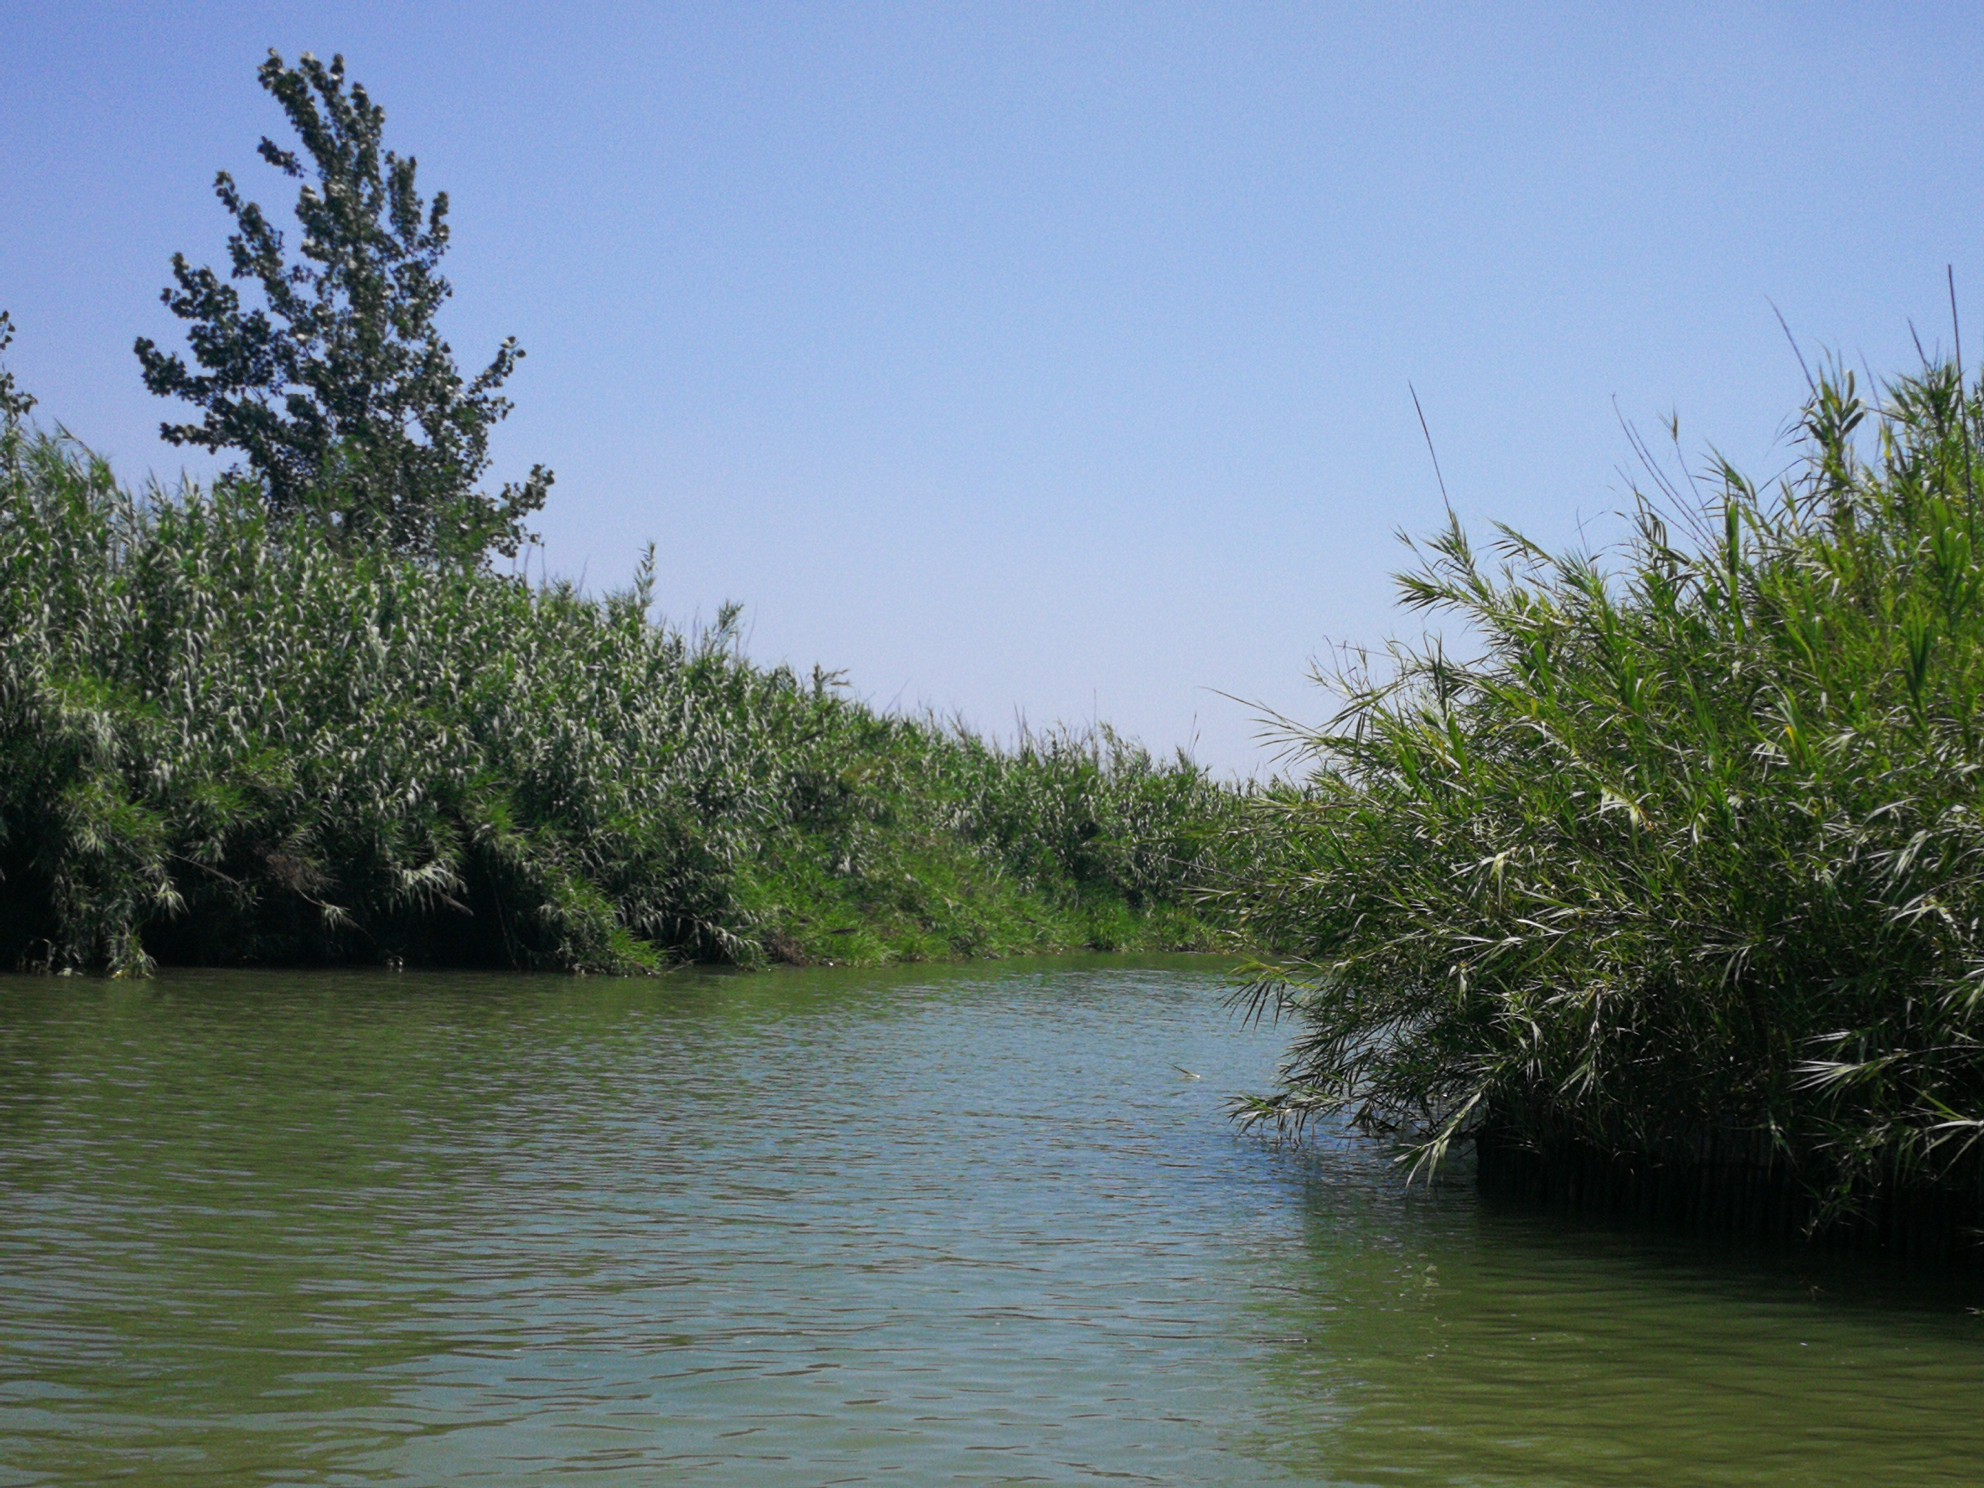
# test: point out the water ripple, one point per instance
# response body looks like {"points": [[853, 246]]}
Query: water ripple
{"points": [[971, 1225]]}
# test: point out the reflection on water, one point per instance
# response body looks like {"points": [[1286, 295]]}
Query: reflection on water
{"points": [[1453, 1346], [962, 1225]]}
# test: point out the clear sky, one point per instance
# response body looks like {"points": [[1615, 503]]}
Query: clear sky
{"points": [[1052, 359]]}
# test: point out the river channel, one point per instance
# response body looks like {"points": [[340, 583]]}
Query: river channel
{"points": [[977, 1225]]}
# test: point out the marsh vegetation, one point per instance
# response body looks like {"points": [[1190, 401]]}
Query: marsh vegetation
{"points": [[1677, 840], [227, 739], [300, 716], [1675, 843]]}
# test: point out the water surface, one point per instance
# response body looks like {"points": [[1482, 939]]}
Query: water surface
{"points": [[973, 1225]]}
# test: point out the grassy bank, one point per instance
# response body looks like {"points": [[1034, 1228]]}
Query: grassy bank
{"points": [[227, 740], [1689, 843]]}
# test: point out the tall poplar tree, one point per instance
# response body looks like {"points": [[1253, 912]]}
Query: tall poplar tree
{"points": [[337, 388]]}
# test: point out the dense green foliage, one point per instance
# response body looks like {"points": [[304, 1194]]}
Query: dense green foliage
{"points": [[1693, 842], [297, 718], [337, 387], [226, 738]]}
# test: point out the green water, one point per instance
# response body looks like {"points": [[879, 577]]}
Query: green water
{"points": [[968, 1225]]}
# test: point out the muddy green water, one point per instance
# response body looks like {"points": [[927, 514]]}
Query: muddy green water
{"points": [[956, 1226]]}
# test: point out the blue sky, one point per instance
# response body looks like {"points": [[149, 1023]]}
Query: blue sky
{"points": [[1053, 359]]}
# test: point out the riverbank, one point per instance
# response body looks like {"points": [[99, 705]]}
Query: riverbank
{"points": [[225, 740]]}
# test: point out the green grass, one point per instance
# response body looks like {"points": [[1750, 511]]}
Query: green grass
{"points": [[1690, 839], [227, 741]]}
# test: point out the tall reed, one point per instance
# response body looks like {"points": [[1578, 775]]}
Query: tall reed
{"points": [[226, 740], [1689, 839]]}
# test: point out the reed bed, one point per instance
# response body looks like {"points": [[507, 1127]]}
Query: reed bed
{"points": [[1688, 841], [228, 740]]}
